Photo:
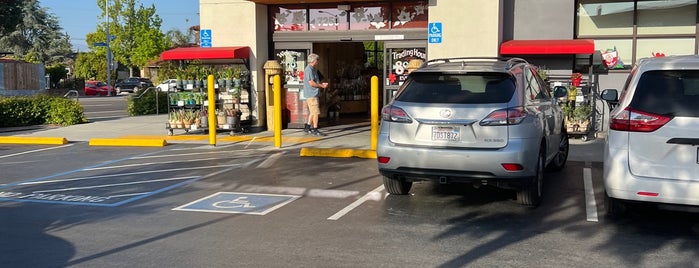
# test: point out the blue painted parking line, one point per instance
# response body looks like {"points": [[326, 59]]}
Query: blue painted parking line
{"points": [[241, 203]]}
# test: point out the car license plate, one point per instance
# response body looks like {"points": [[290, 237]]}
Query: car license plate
{"points": [[446, 134]]}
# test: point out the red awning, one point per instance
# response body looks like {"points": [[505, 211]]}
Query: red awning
{"points": [[205, 53], [546, 47]]}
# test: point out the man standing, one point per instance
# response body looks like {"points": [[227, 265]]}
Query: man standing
{"points": [[311, 90]]}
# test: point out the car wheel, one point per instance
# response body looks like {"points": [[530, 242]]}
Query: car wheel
{"points": [[614, 207], [559, 161], [530, 194], [135, 89], [397, 186]]}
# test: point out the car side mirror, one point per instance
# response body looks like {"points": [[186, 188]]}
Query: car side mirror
{"points": [[560, 91], [610, 95]]}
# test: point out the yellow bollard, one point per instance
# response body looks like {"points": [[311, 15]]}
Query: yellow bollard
{"points": [[277, 111], [211, 118], [374, 112]]}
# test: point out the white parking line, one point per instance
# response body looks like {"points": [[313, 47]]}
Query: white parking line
{"points": [[34, 151], [125, 174], [114, 184], [270, 160], [369, 196], [590, 203]]}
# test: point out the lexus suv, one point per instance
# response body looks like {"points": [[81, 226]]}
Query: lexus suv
{"points": [[652, 148], [484, 121]]}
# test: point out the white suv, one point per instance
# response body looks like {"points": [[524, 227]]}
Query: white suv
{"points": [[651, 152]]}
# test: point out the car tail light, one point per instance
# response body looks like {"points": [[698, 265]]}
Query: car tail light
{"points": [[392, 113], [509, 116], [637, 121], [383, 159], [512, 167], [652, 194]]}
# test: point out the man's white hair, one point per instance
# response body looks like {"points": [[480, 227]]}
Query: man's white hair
{"points": [[312, 57]]}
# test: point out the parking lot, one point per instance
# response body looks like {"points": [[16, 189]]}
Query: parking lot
{"points": [[246, 205]]}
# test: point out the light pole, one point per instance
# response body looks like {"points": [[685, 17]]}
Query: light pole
{"points": [[109, 52]]}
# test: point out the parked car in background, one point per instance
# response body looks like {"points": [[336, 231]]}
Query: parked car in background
{"points": [[652, 149], [481, 121], [133, 84], [98, 88], [167, 85]]}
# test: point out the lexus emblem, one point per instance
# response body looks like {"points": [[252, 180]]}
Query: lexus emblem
{"points": [[446, 113]]}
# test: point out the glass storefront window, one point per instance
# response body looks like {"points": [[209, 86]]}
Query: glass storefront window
{"points": [[667, 17], [600, 18], [293, 63], [616, 53], [649, 47], [410, 15], [369, 17], [289, 18], [331, 19], [398, 59]]}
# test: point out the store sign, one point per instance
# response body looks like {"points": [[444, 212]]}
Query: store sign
{"points": [[400, 57]]}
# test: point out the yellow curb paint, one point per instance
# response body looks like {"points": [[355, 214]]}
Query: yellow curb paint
{"points": [[128, 142], [33, 140], [334, 152]]}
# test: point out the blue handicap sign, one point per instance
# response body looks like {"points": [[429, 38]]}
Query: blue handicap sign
{"points": [[205, 37], [434, 32], [243, 203]]}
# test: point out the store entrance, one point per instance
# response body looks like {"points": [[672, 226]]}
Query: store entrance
{"points": [[348, 68]]}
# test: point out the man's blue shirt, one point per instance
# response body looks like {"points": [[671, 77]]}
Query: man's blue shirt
{"points": [[309, 74]]}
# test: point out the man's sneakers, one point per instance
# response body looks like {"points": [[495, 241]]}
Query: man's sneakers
{"points": [[307, 128], [316, 132]]}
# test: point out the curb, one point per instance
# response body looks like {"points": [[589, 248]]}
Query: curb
{"points": [[33, 140], [331, 152], [128, 142]]}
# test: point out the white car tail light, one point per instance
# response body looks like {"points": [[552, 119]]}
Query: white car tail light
{"points": [[509, 116], [391, 113], [637, 121]]}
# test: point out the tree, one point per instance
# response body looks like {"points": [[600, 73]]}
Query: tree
{"points": [[179, 39], [90, 65], [10, 15], [137, 36], [37, 37]]}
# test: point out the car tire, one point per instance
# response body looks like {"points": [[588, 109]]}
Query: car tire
{"points": [[397, 186], [559, 161], [613, 207], [135, 89], [530, 194]]}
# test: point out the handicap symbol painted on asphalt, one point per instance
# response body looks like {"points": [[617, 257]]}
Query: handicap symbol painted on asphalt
{"points": [[237, 203], [243, 203]]}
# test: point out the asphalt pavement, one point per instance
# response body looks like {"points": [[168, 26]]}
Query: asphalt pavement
{"points": [[349, 138]]}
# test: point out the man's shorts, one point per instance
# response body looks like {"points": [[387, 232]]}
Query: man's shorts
{"points": [[313, 105]]}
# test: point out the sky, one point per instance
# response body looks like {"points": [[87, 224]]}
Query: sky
{"points": [[79, 17]]}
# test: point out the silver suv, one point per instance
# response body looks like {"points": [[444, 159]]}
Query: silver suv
{"points": [[485, 121]]}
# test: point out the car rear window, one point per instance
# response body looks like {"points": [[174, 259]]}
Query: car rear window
{"points": [[472, 88], [668, 92]]}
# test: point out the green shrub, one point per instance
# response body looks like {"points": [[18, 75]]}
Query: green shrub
{"points": [[39, 110], [146, 103]]}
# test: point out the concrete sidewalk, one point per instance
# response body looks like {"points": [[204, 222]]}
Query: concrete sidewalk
{"points": [[151, 127], [350, 139]]}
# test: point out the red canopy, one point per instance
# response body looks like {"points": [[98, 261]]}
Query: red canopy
{"points": [[205, 53], [546, 47]]}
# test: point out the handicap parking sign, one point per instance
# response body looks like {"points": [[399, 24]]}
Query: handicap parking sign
{"points": [[243, 203], [205, 37], [434, 32]]}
